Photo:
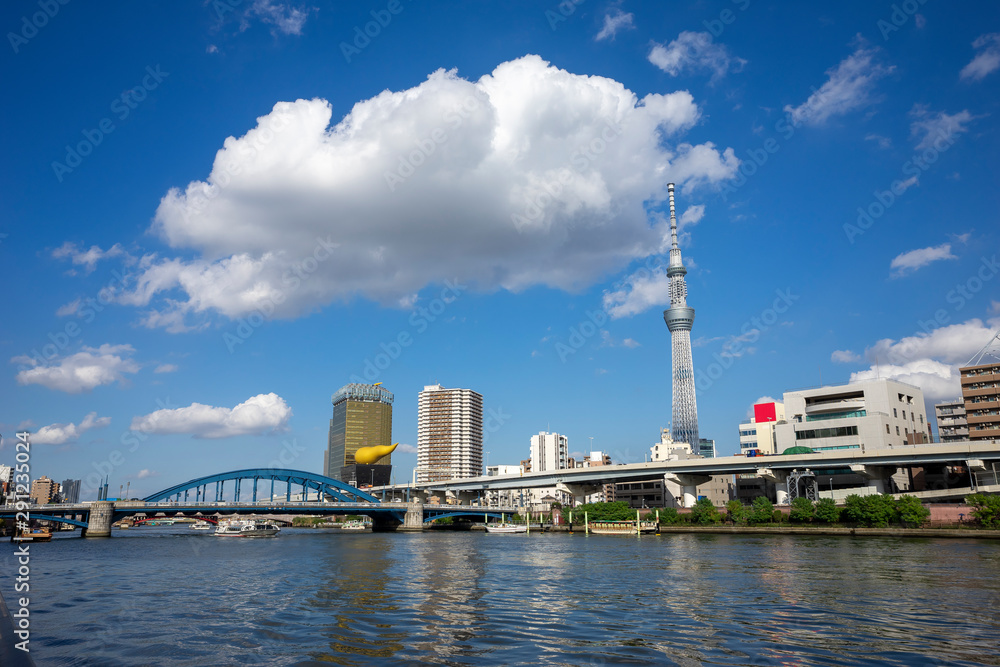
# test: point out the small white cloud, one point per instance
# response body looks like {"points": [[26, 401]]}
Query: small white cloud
{"points": [[86, 258], [166, 368], [694, 51], [613, 23], [844, 357], [71, 308], [631, 343], [89, 368], [848, 87], [146, 472], [60, 434], [930, 127], [640, 292], [908, 262], [407, 449], [601, 371], [883, 142], [920, 21], [986, 61], [285, 18], [211, 48], [259, 414]]}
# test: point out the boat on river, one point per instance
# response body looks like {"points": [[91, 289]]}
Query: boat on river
{"points": [[506, 528], [247, 528], [622, 527], [201, 525]]}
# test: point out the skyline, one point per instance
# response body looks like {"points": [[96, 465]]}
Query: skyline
{"points": [[271, 207]]}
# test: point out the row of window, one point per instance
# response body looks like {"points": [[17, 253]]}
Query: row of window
{"points": [[748, 433], [837, 415], [827, 449], [826, 432]]}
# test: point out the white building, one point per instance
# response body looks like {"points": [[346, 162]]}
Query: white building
{"points": [[758, 435], [505, 497], [875, 414], [449, 434], [549, 451]]}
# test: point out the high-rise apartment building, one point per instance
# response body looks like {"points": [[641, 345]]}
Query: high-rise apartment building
{"points": [[981, 395], [951, 421], [757, 437], [70, 491], [362, 417], [549, 451], [449, 434], [42, 490]]}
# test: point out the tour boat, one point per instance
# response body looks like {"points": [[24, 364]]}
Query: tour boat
{"points": [[201, 525], [36, 535], [247, 528], [621, 527], [354, 525], [506, 528]]}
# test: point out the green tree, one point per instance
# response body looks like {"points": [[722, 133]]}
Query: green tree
{"points": [[704, 512], [616, 511], [802, 510], [669, 516], [874, 511], [911, 512], [826, 511], [736, 512], [985, 509], [761, 511]]}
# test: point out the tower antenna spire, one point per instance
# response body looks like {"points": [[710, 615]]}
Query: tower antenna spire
{"points": [[680, 318]]}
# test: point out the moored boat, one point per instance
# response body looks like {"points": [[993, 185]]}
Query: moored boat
{"points": [[201, 525], [506, 528], [622, 527]]}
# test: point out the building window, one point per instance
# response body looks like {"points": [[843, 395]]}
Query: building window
{"points": [[904, 414], [894, 413], [887, 430], [897, 430]]}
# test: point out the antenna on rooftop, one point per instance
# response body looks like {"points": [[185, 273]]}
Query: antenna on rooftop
{"points": [[988, 351]]}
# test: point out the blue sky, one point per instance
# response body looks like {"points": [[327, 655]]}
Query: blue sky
{"points": [[218, 213]]}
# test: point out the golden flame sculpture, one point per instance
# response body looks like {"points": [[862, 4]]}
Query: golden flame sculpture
{"points": [[367, 455]]}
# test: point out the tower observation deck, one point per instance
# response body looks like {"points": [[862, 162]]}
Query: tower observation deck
{"points": [[680, 318]]}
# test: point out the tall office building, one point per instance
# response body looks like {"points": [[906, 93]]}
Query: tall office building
{"points": [[449, 433], [549, 451], [679, 318], [71, 491], [42, 490], [362, 417], [981, 391]]}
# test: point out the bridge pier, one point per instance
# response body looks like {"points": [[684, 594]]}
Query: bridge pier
{"points": [[102, 514], [414, 521], [689, 486]]}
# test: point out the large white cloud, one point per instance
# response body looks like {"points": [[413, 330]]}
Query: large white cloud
{"points": [[89, 368], [59, 434], [529, 176], [929, 360], [259, 414]]}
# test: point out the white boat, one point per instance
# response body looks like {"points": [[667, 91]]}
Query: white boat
{"points": [[201, 525], [621, 527], [506, 528], [247, 528], [354, 525]]}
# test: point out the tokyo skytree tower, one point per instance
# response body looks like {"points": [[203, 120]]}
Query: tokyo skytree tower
{"points": [[679, 318]]}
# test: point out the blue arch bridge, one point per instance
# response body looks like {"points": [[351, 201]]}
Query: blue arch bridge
{"points": [[252, 492]]}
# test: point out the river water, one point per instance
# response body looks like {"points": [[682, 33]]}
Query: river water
{"points": [[174, 596]]}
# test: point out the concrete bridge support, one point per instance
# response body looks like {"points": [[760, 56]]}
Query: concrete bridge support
{"points": [[102, 514], [414, 521], [689, 487], [876, 476], [780, 479]]}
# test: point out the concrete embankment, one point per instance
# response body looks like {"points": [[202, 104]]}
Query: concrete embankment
{"points": [[850, 532]]}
